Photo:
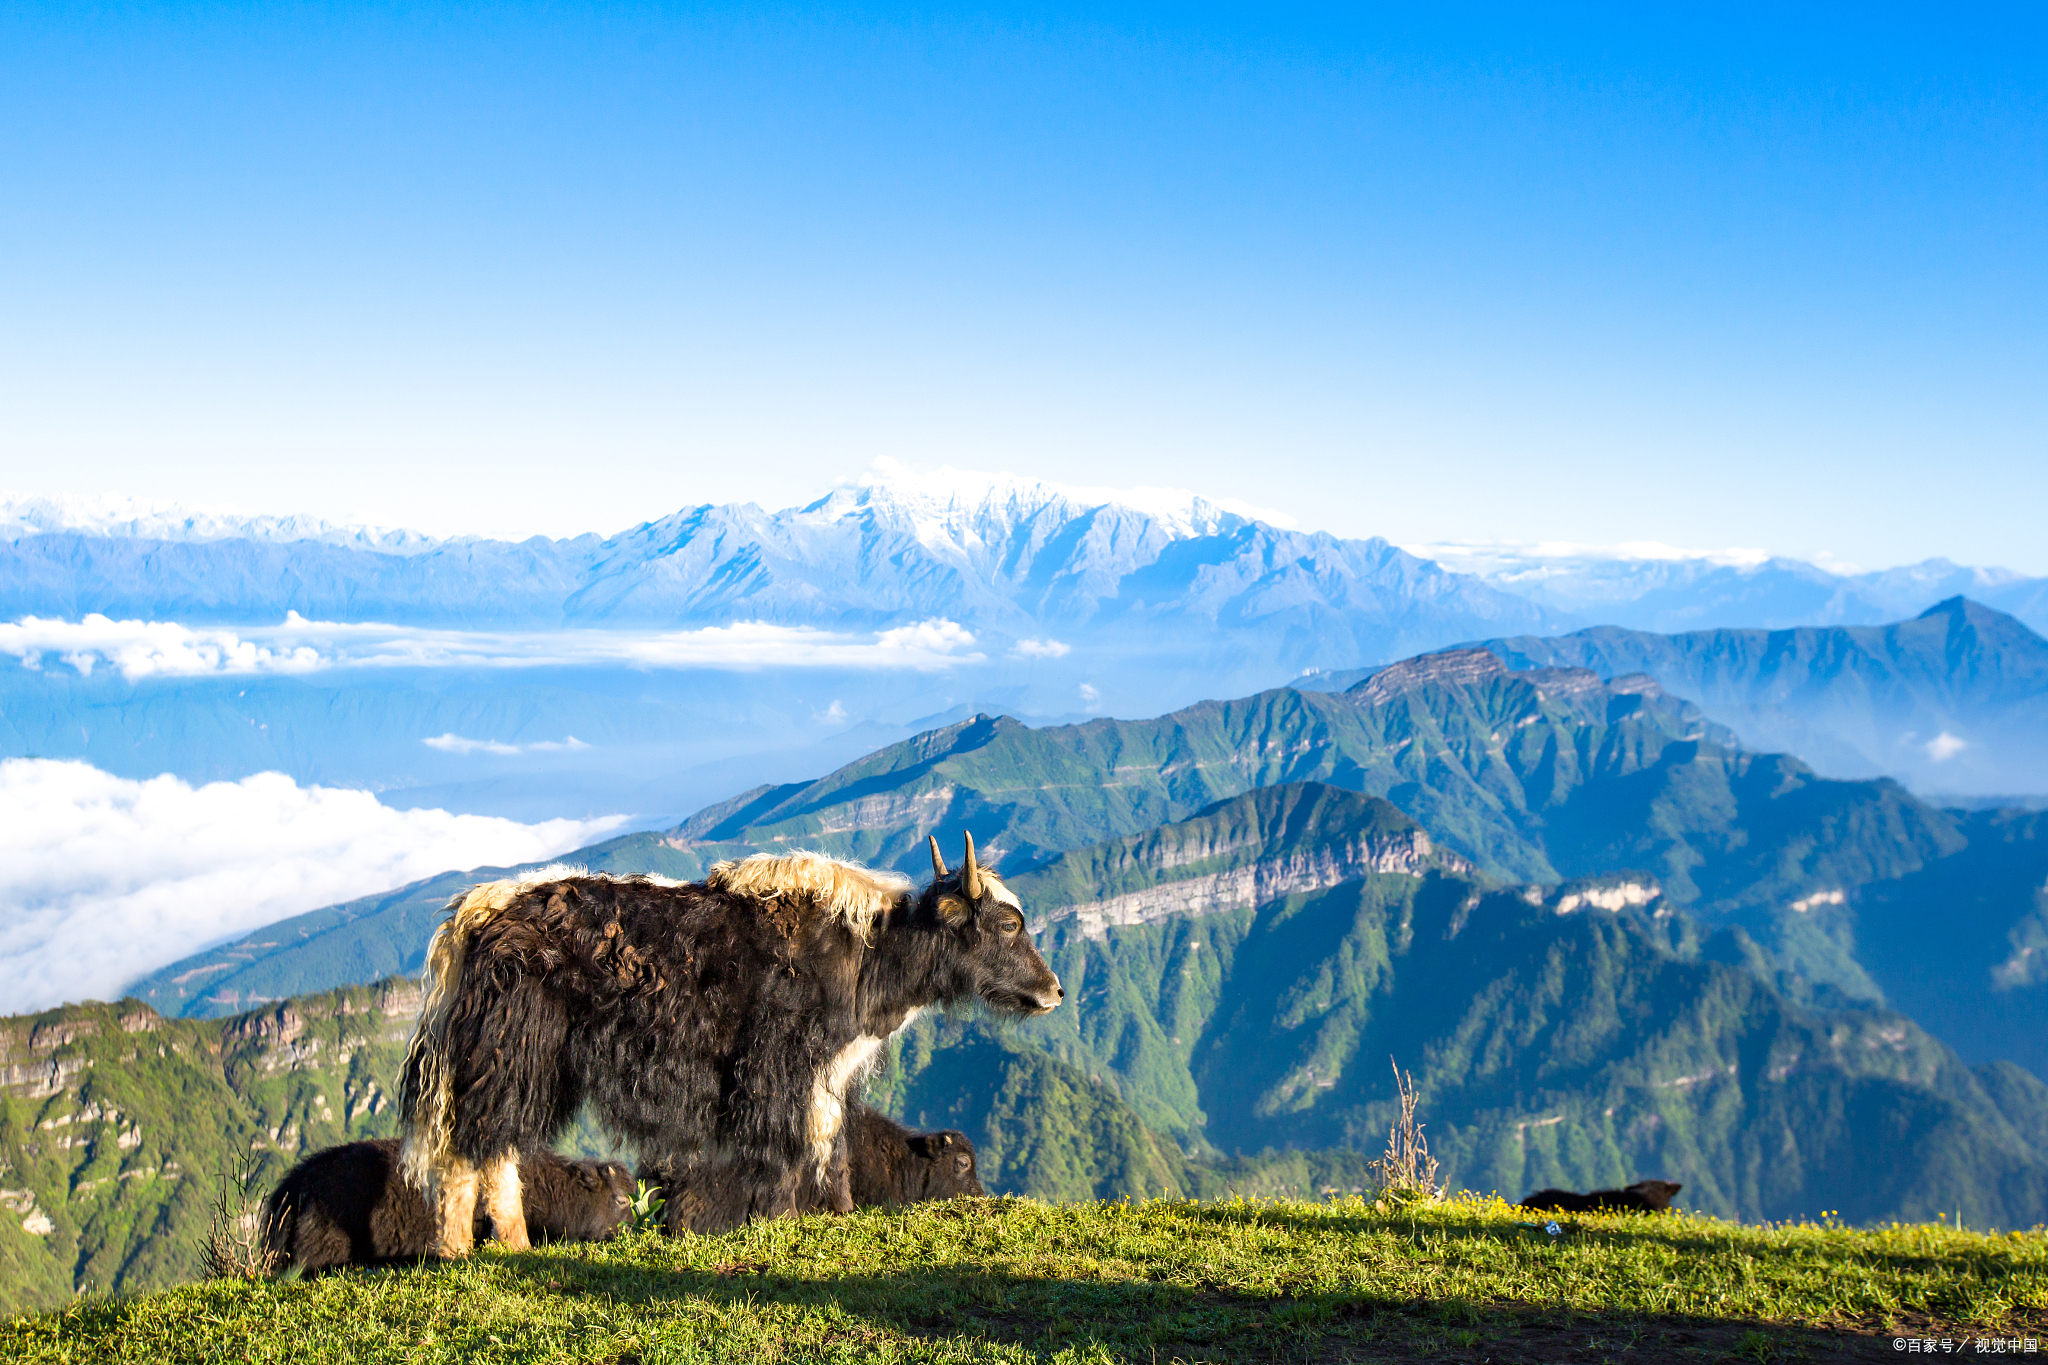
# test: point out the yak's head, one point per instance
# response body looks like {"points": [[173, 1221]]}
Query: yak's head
{"points": [[990, 948], [948, 1158]]}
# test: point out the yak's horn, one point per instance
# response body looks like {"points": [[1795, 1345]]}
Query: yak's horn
{"points": [[938, 863], [970, 875]]}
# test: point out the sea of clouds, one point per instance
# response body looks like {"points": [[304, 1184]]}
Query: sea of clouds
{"points": [[104, 879], [155, 649]]}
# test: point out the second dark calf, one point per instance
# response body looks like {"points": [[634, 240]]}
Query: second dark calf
{"points": [[350, 1205], [1645, 1196]]}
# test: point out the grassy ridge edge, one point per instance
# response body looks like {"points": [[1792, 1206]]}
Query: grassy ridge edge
{"points": [[1014, 1280]]}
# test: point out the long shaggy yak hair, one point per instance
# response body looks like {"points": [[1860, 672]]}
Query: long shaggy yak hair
{"points": [[713, 1025], [349, 1205]]}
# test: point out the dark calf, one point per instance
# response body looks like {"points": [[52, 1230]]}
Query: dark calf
{"points": [[1645, 1196], [876, 1163], [350, 1205], [888, 1165]]}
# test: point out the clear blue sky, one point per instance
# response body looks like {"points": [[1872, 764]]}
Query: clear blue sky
{"points": [[1720, 279]]}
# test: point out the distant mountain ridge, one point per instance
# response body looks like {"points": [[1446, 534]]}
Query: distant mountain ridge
{"points": [[1660, 589], [1954, 699]]}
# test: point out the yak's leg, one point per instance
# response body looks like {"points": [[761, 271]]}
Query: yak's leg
{"points": [[455, 1209], [502, 1202], [829, 1190]]}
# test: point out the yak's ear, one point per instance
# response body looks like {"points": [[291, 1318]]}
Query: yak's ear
{"points": [[954, 911]]}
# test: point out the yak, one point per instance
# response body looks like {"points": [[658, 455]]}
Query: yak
{"points": [[349, 1205], [715, 1026], [876, 1163], [1645, 1196]]}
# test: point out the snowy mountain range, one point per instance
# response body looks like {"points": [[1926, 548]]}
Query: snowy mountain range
{"points": [[1010, 554], [1004, 555]]}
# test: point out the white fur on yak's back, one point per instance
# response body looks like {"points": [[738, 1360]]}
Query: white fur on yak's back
{"points": [[856, 896]]}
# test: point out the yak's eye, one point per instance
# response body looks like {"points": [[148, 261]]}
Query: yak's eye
{"points": [[1011, 924]]}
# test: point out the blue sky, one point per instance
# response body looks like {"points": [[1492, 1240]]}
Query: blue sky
{"points": [[1718, 279]]}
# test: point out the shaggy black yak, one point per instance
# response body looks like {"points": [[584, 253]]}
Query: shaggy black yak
{"points": [[1645, 1196], [713, 1025], [350, 1205]]}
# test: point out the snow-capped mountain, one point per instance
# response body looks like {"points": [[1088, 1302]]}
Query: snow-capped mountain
{"points": [[112, 515]]}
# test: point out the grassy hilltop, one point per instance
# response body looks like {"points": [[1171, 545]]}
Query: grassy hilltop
{"points": [[1017, 1280]]}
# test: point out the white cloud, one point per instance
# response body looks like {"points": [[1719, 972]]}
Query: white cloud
{"points": [[1489, 557], [152, 648], [452, 743], [1945, 746], [1042, 649], [141, 649], [1091, 700], [835, 714], [104, 879]]}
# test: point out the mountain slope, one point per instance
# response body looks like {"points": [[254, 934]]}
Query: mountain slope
{"points": [[1584, 1038], [1955, 699], [1539, 777], [117, 1126]]}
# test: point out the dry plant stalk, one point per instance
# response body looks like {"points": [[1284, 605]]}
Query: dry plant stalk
{"points": [[235, 1248], [1407, 1173]]}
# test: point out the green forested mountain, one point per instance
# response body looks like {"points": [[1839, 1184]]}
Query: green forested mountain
{"points": [[1481, 757], [1591, 1034], [1534, 777]]}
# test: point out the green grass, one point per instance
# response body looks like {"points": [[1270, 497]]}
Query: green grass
{"points": [[1016, 1280]]}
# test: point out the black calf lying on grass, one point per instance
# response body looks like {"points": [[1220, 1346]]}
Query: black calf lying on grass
{"points": [[876, 1163], [888, 1165], [1645, 1196], [350, 1205]]}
